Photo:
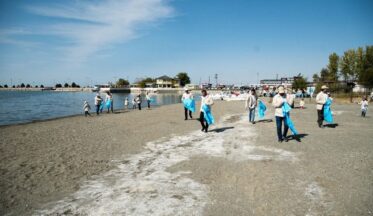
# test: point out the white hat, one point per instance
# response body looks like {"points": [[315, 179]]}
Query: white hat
{"points": [[281, 90], [186, 89], [324, 87]]}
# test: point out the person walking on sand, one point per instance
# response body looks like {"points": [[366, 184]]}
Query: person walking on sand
{"points": [[109, 102], [205, 116], [278, 102], [86, 109], [301, 103], [126, 103], [148, 99], [188, 101], [250, 104], [321, 98], [98, 101], [138, 101], [364, 106]]}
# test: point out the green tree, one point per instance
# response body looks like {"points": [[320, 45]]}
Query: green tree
{"points": [[122, 82], [66, 85], [183, 78], [142, 83], [300, 82], [5, 86], [333, 67], [41, 86], [28, 86], [324, 74], [366, 75], [22, 85], [316, 78], [360, 61], [58, 85], [348, 65], [74, 85]]}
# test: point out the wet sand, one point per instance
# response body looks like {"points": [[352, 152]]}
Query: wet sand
{"points": [[152, 162]]}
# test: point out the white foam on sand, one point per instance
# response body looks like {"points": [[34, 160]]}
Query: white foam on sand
{"points": [[141, 185]]}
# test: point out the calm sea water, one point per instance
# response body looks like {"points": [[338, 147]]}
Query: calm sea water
{"points": [[20, 107]]}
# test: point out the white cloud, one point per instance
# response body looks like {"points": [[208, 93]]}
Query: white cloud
{"points": [[93, 26]]}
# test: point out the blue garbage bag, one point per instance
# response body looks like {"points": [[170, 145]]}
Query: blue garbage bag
{"points": [[190, 104], [101, 106], [328, 117], [286, 111], [262, 109], [207, 114], [108, 104]]}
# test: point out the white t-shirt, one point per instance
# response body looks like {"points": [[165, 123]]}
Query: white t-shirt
{"points": [[187, 96], [206, 100], [364, 105]]}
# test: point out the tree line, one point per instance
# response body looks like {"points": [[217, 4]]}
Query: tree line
{"points": [[22, 85], [182, 77], [342, 72]]}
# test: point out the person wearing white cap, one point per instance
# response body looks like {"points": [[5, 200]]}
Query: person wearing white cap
{"points": [[187, 95], [321, 98], [278, 101]]}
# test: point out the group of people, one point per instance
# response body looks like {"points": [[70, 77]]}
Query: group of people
{"points": [[282, 102], [108, 103]]}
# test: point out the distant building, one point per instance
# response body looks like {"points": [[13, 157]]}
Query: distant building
{"points": [[167, 82], [285, 81]]}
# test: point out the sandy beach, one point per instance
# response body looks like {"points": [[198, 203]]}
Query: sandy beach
{"points": [[152, 162]]}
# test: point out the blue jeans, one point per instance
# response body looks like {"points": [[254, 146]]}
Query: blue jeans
{"points": [[252, 115], [279, 121]]}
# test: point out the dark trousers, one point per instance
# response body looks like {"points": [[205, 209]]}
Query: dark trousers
{"points": [[86, 113], [204, 124], [148, 104], [186, 113], [97, 109], [320, 116], [363, 113], [279, 121], [111, 107], [139, 106]]}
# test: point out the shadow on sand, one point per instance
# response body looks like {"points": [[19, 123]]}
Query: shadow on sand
{"points": [[297, 137], [331, 125], [264, 121], [219, 130]]}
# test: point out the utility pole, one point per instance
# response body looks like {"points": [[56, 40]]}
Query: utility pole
{"points": [[216, 80]]}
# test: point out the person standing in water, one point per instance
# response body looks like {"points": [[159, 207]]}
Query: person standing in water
{"points": [[321, 98], [278, 102], [250, 104], [109, 102], [205, 111], [187, 96], [98, 101]]}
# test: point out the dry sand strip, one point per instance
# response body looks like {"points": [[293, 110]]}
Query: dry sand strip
{"points": [[236, 169], [45, 161]]}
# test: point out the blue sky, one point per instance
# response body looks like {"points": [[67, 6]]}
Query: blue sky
{"points": [[90, 42]]}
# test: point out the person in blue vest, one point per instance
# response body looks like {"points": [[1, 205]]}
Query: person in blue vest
{"points": [[187, 98], [205, 116], [278, 102]]}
